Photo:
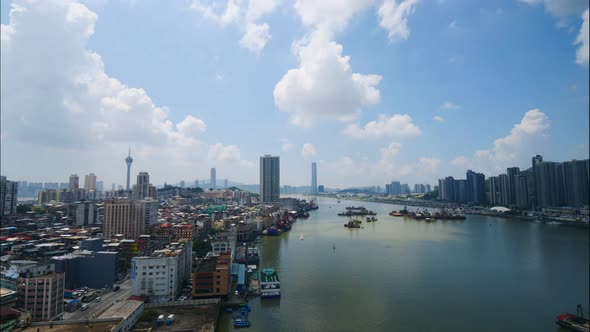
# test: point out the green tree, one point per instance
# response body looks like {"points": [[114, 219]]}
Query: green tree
{"points": [[23, 208], [201, 248]]}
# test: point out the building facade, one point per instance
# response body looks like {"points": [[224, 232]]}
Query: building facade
{"points": [[159, 277], [270, 176], [90, 182], [314, 178], [8, 196], [40, 290]]}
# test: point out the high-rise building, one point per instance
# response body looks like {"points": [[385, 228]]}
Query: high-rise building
{"points": [[460, 192], [512, 173], [128, 161], [86, 213], [321, 188], [143, 185], [494, 190], [90, 182], [225, 182], [74, 182], [576, 174], [314, 179], [475, 187], [504, 189], [8, 196], [100, 185], [270, 178], [213, 178], [535, 161], [120, 218], [521, 191]]}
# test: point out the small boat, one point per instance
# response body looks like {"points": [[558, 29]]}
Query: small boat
{"points": [[301, 237], [575, 322], [241, 322]]}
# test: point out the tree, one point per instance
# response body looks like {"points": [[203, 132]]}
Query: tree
{"points": [[201, 248], [23, 208]]}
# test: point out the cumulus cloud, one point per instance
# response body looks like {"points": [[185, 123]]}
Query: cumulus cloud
{"points": [[308, 150], [76, 103], [438, 118], [324, 86], [582, 39], [393, 17], [512, 149], [329, 15], [398, 125], [256, 35], [220, 152]]}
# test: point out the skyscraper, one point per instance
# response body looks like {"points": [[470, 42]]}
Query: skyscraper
{"points": [[314, 179], [143, 185], [270, 183], [128, 160], [8, 196], [213, 180], [74, 182], [90, 182], [512, 172]]}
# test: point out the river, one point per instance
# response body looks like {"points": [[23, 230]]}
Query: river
{"points": [[399, 274]]}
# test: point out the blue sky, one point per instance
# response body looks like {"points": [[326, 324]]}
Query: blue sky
{"points": [[374, 91]]}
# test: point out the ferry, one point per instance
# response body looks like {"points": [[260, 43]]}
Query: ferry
{"points": [[270, 286], [575, 322]]}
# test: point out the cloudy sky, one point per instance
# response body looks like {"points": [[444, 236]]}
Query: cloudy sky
{"points": [[373, 90]]}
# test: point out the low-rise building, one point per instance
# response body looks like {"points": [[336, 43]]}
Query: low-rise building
{"points": [[211, 278], [159, 277], [40, 290], [129, 310]]}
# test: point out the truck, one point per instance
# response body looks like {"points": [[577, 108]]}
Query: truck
{"points": [[68, 294], [170, 319], [160, 320]]}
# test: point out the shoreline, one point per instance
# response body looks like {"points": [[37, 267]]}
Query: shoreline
{"points": [[543, 220]]}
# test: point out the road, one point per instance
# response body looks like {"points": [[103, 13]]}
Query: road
{"points": [[107, 300]]}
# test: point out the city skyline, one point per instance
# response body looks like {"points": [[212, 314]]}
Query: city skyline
{"points": [[490, 105]]}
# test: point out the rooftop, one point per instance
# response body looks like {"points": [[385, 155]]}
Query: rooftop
{"points": [[122, 309]]}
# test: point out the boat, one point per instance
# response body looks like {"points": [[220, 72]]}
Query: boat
{"points": [[355, 223], [573, 322], [396, 214], [371, 219], [241, 322], [301, 237], [270, 286]]}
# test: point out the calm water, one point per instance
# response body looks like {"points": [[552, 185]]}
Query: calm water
{"points": [[398, 274]]}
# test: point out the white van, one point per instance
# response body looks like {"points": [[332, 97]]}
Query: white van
{"points": [[98, 299], [84, 307]]}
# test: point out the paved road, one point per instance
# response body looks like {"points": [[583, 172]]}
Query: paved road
{"points": [[107, 300]]}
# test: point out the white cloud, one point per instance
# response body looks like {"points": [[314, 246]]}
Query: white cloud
{"points": [[393, 17], [324, 85], [398, 125], [329, 15], [582, 39], [308, 150], [286, 146], [453, 24], [438, 118], [220, 152], [450, 106], [524, 140], [223, 15], [461, 161], [259, 8], [256, 37], [76, 103]]}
